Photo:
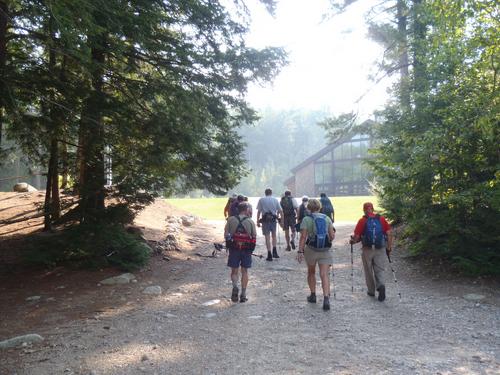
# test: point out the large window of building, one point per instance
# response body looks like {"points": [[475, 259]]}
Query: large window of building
{"points": [[342, 171]]}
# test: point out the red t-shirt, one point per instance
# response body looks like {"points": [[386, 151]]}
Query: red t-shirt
{"points": [[360, 227]]}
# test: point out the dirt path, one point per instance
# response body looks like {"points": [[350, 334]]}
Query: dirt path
{"points": [[194, 328]]}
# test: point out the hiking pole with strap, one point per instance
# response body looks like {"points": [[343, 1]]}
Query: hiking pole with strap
{"points": [[393, 273], [333, 284], [278, 230], [352, 269]]}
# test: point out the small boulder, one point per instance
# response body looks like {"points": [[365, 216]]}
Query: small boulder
{"points": [[124, 278], [474, 297], [24, 187], [187, 221], [153, 290], [20, 340]]}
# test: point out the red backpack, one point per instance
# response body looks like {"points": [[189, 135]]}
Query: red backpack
{"points": [[241, 240]]}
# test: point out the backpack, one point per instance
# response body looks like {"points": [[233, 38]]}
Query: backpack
{"points": [[320, 238], [302, 212], [287, 205], [241, 240], [326, 207], [373, 234], [268, 217]]}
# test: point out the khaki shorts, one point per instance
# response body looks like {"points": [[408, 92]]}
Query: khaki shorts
{"points": [[321, 257]]}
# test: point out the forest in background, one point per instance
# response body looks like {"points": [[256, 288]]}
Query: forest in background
{"points": [[279, 141]]}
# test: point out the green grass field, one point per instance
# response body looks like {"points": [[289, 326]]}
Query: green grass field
{"points": [[346, 208]]}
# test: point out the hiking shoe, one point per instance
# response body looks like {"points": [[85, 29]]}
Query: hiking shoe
{"points": [[243, 298], [275, 253], [234, 294], [326, 303], [288, 248], [381, 293], [293, 244], [269, 256], [371, 294], [311, 298]]}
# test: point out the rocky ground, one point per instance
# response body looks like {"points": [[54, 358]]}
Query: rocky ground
{"points": [[439, 325]]}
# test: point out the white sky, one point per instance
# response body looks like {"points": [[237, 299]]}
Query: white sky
{"points": [[330, 60]]}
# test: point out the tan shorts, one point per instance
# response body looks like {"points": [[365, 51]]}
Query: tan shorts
{"points": [[321, 257]]}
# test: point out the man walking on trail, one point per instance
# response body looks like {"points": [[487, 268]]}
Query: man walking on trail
{"points": [[290, 211], [302, 212], [374, 232], [327, 207], [269, 213], [316, 236], [240, 257]]}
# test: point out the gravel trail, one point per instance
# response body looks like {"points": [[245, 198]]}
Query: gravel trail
{"points": [[194, 328]]}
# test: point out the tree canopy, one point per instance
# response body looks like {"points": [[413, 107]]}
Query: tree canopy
{"points": [[437, 166], [148, 92]]}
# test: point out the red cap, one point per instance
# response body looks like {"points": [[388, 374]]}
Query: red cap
{"points": [[367, 205]]}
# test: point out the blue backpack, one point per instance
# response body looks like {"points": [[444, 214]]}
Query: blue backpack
{"points": [[373, 234], [320, 239]]}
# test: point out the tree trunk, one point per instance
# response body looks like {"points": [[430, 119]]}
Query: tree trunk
{"points": [[420, 84], [4, 15], [47, 204], [402, 11], [91, 163]]}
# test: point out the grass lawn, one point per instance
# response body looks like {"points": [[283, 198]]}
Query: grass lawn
{"points": [[346, 208]]}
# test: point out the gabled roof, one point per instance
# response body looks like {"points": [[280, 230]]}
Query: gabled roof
{"points": [[324, 151]]}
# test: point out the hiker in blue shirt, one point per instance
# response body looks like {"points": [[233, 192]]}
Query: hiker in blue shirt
{"points": [[316, 236]]}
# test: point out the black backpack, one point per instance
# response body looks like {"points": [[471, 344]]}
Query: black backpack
{"points": [[287, 205]]}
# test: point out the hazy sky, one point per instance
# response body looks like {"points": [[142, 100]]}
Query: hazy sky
{"points": [[330, 60]]}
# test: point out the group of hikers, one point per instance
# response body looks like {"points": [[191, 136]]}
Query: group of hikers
{"points": [[313, 219]]}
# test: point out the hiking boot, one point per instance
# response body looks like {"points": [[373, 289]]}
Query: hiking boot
{"points": [[293, 244], [269, 256], [288, 248], [311, 298], [234, 294], [381, 293], [275, 253], [370, 294], [326, 303], [243, 298]]}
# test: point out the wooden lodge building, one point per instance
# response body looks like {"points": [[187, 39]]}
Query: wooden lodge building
{"points": [[336, 170]]}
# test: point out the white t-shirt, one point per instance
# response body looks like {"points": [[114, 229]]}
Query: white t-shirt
{"points": [[269, 204]]}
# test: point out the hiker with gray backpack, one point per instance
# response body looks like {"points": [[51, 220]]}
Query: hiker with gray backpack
{"points": [[316, 236], [375, 234], [290, 211]]}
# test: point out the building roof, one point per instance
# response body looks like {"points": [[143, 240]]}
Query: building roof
{"points": [[323, 151]]}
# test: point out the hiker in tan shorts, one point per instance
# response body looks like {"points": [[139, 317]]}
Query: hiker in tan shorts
{"points": [[316, 249]]}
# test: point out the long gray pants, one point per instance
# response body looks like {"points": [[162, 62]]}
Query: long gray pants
{"points": [[374, 267]]}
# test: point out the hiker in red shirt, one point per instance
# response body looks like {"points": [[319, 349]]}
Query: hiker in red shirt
{"points": [[375, 232]]}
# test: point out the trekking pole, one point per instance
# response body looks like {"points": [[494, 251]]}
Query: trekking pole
{"points": [[352, 270], [260, 256], [279, 237], [333, 284], [393, 273]]}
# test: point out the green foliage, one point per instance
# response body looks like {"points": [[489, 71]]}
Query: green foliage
{"points": [[154, 88], [90, 246], [438, 165]]}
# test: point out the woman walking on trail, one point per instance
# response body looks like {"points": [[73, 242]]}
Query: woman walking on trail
{"points": [[316, 236]]}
